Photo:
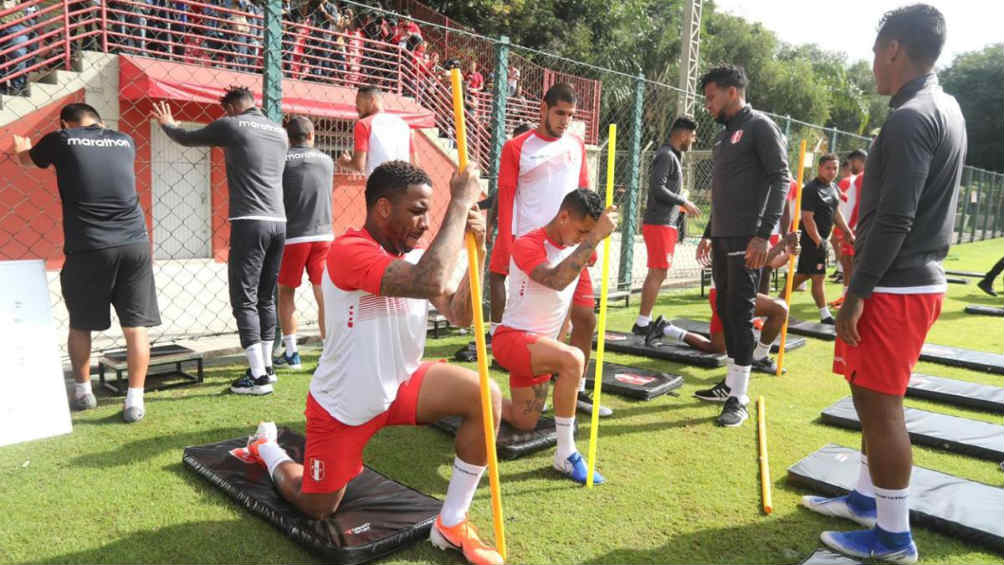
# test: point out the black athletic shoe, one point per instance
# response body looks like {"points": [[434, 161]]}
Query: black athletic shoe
{"points": [[250, 385], [987, 287], [655, 328], [640, 330], [733, 414], [766, 365], [718, 393], [829, 321], [837, 276], [584, 403]]}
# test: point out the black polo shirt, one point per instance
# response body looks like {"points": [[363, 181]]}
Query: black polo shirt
{"points": [[97, 186]]}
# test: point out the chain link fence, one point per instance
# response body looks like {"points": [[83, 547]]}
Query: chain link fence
{"points": [[121, 56]]}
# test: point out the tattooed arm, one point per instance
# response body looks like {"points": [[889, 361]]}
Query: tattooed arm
{"points": [[562, 274]]}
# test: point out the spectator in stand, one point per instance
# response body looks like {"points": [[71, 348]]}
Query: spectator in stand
{"points": [[355, 52], [474, 83], [323, 16], [240, 30], [177, 13], [256, 15], [340, 44], [405, 31], [513, 81], [19, 36]]}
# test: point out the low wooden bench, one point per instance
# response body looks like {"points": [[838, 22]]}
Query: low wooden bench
{"points": [[160, 355]]}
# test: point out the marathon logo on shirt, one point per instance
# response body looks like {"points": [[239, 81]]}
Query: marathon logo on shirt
{"points": [[88, 142], [305, 156], [737, 136], [261, 126]]}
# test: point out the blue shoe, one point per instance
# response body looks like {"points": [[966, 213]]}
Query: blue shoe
{"points": [[854, 506], [875, 543], [288, 361], [575, 468]]}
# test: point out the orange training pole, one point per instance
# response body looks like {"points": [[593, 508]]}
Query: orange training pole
{"points": [[791, 260], [474, 275]]}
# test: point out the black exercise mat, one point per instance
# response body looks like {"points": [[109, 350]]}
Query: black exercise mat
{"points": [[510, 442], [965, 358], [812, 329], [377, 517], [966, 274], [985, 310], [959, 393], [620, 342], [823, 556], [632, 382], [704, 328], [951, 433], [956, 280], [957, 507]]}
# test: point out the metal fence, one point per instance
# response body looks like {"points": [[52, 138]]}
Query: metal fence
{"points": [[121, 56]]}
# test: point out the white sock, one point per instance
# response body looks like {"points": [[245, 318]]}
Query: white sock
{"points": [[643, 321], [565, 428], [824, 313], [290, 342], [893, 507], [80, 389], [741, 382], [730, 372], [255, 360], [134, 397], [761, 351], [273, 455], [459, 494], [674, 333], [266, 352], [865, 486]]}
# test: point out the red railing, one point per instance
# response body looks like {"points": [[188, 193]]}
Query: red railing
{"points": [[202, 33]]}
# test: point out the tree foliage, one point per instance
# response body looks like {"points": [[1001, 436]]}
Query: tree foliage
{"points": [[976, 79]]}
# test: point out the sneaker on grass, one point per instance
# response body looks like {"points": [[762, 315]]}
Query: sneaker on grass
{"points": [[718, 393]]}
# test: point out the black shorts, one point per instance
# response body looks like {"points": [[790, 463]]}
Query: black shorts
{"points": [[121, 276], [812, 259]]}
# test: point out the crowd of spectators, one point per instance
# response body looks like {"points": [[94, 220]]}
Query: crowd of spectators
{"points": [[323, 40]]}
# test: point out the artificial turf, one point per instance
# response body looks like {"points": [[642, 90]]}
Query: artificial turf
{"points": [[680, 490]]}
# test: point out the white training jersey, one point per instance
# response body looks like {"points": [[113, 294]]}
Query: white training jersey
{"points": [[384, 137], [531, 306], [374, 343]]}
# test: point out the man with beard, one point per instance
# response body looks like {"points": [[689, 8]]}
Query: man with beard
{"points": [[378, 135]]}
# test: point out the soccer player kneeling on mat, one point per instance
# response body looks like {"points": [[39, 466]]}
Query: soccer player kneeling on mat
{"points": [[545, 267], [377, 291]]}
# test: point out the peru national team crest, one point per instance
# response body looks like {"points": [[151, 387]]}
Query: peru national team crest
{"points": [[317, 469], [737, 136], [633, 379]]}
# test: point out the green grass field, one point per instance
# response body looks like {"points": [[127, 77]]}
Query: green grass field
{"points": [[679, 489]]}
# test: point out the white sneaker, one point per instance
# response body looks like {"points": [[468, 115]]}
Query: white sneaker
{"points": [[266, 431]]}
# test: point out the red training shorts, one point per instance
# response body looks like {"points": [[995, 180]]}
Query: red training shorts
{"points": [[893, 328], [296, 257], [333, 455], [660, 242], [510, 348], [716, 322], [846, 249]]}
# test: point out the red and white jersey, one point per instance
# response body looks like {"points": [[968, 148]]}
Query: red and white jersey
{"points": [[850, 198], [535, 175], [374, 343], [531, 306], [384, 137]]}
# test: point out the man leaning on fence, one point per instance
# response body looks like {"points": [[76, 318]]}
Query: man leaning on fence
{"points": [[255, 150], [108, 261]]}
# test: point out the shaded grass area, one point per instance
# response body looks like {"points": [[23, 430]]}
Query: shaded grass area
{"points": [[680, 490]]}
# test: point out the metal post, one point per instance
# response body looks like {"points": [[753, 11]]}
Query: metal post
{"points": [[67, 45], [990, 205], [272, 73], [104, 27], [976, 211], [690, 47], [499, 101], [963, 203], [628, 214], [787, 125], [833, 140]]}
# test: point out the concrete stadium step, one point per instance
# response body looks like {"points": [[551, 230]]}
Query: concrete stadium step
{"points": [[97, 74]]}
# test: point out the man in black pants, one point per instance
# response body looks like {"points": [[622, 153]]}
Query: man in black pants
{"points": [[107, 248], [749, 180], [987, 283], [255, 150]]}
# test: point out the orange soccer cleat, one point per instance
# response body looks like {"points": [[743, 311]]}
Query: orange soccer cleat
{"points": [[464, 538]]}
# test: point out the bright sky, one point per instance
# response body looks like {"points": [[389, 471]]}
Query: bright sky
{"points": [[850, 25]]}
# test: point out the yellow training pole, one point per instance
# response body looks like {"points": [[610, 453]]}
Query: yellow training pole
{"points": [[791, 260], [594, 424], [474, 275], [761, 411]]}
